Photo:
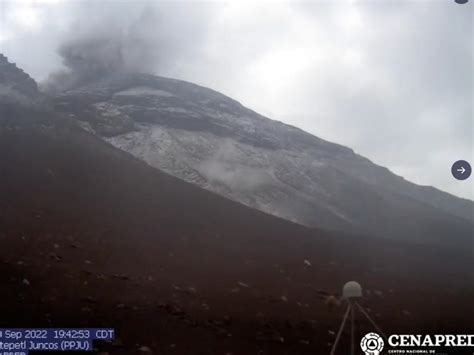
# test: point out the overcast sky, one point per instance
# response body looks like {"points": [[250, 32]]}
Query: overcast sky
{"points": [[391, 79]]}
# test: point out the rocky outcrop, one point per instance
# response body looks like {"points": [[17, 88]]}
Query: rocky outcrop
{"points": [[15, 83]]}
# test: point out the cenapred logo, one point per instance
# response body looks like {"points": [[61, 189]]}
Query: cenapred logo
{"points": [[372, 344]]}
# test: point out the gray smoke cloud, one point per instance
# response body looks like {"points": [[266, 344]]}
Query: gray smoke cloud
{"points": [[138, 37], [99, 47]]}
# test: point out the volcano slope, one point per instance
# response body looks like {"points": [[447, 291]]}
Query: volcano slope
{"points": [[90, 236], [206, 138]]}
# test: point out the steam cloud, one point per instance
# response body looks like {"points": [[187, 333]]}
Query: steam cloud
{"points": [[225, 167]]}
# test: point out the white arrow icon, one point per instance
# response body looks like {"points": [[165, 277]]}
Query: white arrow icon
{"points": [[461, 170]]}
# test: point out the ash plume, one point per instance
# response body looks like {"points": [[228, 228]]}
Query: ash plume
{"points": [[101, 47]]}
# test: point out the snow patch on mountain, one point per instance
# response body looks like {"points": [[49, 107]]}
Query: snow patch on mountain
{"points": [[144, 91], [253, 176], [107, 109]]}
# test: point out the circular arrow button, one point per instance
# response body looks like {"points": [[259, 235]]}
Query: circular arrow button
{"points": [[461, 170]]}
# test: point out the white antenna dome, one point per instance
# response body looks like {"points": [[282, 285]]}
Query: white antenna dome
{"points": [[352, 289]]}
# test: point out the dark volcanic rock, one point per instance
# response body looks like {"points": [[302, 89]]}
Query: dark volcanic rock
{"points": [[14, 82]]}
